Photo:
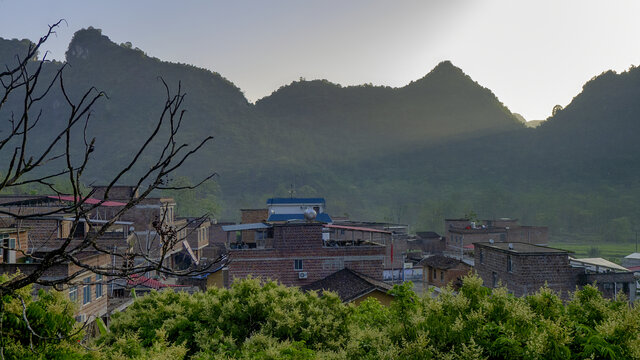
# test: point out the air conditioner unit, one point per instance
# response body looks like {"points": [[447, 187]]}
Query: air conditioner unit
{"points": [[302, 275]]}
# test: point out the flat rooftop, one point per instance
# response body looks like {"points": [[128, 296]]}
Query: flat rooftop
{"points": [[521, 248]]}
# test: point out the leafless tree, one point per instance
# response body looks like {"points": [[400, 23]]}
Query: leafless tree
{"points": [[27, 164]]}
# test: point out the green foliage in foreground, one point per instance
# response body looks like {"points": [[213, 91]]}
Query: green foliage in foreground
{"points": [[269, 321], [255, 320], [55, 335]]}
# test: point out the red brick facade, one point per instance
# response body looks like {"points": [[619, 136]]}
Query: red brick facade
{"points": [[302, 244], [461, 232]]}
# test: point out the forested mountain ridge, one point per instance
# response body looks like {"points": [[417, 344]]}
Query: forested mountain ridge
{"points": [[445, 103], [437, 147]]}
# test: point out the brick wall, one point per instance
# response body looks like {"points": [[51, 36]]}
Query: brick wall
{"points": [[443, 277], [611, 284], [41, 231], [122, 193], [303, 242], [530, 271], [529, 234], [96, 307], [217, 236], [251, 216]]}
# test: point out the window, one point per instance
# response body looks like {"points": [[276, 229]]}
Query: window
{"points": [[261, 234], [73, 294], [98, 286], [8, 251], [503, 237], [297, 265], [495, 279], [86, 291], [509, 264], [441, 275], [79, 231], [480, 256]]}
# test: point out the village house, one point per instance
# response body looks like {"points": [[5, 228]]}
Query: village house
{"points": [[294, 241], [352, 287], [440, 271], [36, 235], [14, 243], [197, 237], [524, 268], [87, 290], [461, 234], [144, 215], [298, 254]]}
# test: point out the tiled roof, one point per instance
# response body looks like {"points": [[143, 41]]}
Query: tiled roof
{"points": [[348, 284], [440, 262], [150, 283], [428, 234]]}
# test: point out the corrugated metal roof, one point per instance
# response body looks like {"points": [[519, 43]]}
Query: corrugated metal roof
{"points": [[273, 201], [240, 227], [322, 217], [600, 262], [355, 228], [90, 201]]}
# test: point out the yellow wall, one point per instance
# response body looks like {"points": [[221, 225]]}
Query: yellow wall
{"points": [[215, 280], [382, 297]]}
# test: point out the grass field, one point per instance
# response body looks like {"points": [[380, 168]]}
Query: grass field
{"points": [[610, 251]]}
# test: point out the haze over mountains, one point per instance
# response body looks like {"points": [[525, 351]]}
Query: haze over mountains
{"points": [[439, 147]]}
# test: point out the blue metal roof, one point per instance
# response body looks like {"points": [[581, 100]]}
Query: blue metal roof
{"points": [[295, 201], [322, 217]]}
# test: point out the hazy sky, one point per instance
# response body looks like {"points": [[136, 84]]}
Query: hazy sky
{"points": [[531, 54]]}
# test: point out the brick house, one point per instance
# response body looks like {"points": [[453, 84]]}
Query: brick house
{"points": [[353, 287], [440, 271], [524, 268], [14, 245], [197, 237], [88, 290], [299, 255], [461, 234], [144, 214], [396, 244]]}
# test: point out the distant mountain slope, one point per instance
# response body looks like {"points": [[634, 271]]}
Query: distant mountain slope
{"points": [[445, 103], [306, 120]]}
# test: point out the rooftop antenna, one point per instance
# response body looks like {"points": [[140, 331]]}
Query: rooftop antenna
{"points": [[292, 191]]}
